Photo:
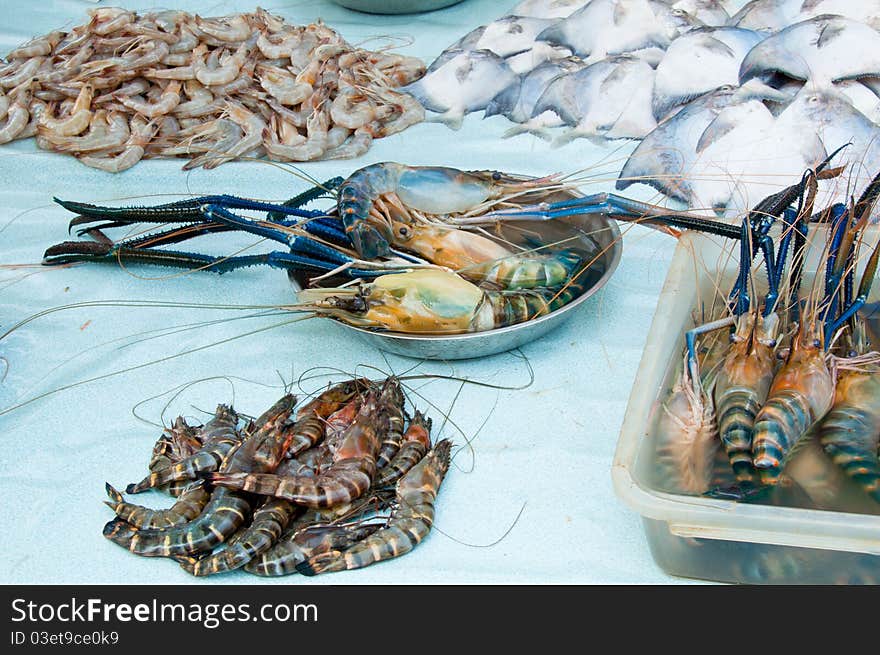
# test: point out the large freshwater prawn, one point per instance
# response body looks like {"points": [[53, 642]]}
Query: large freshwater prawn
{"points": [[418, 239]]}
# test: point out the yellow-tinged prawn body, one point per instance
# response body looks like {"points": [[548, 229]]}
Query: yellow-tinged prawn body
{"points": [[850, 431], [432, 301], [741, 387], [801, 393]]}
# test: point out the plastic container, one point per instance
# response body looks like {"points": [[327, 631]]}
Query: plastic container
{"points": [[722, 540]]}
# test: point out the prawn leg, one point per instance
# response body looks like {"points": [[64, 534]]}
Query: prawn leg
{"points": [[75, 251], [191, 209]]}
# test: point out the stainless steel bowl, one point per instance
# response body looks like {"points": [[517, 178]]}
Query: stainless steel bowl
{"points": [[395, 6], [596, 232]]}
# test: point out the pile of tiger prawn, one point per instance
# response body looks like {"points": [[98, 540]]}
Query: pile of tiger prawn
{"points": [[124, 86], [340, 483], [798, 377]]}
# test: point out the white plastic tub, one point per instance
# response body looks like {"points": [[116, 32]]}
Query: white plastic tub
{"points": [[724, 540]]}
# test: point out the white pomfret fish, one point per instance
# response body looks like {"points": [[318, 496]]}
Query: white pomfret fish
{"points": [[611, 27], [459, 82], [774, 15], [698, 62], [517, 101], [822, 50], [667, 156]]}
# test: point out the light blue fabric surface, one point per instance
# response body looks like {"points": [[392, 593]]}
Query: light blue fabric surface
{"points": [[544, 451]]}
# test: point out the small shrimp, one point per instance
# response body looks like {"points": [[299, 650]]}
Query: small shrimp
{"points": [[201, 101], [351, 108], [169, 99], [219, 436], [186, 42], [222, 74], [283, 86], [189, 505], [850, 431], [38, 47], [79, 118], [231, 29], [141, 134], [180, 73], [687, 436], [134, 88], [801, 393], [409, 523], [741, 388], [416, 443], [212, 138], [17, 117], [312, 147], [348, 478], [108, 20], [23, 74], [148, 54], [265, 529], [431, 301], [107, 130], [279, 46], [252, 125]]}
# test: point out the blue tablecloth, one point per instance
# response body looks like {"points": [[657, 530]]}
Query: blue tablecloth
{"points": [[530, 501]]}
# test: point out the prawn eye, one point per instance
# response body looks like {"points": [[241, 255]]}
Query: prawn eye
{"points": [[816, 343], [403, 231], [496, 176]]}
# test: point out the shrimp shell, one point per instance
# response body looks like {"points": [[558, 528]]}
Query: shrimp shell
{"points": [[409, 524], [850, 431], [801, 393], [741, 388], [189, 505], [265, 529], [348, 478], [219, 436]]}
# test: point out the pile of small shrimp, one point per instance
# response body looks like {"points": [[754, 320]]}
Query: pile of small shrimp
{"points": [[790, 403], [340, 483], [124, 86]]}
